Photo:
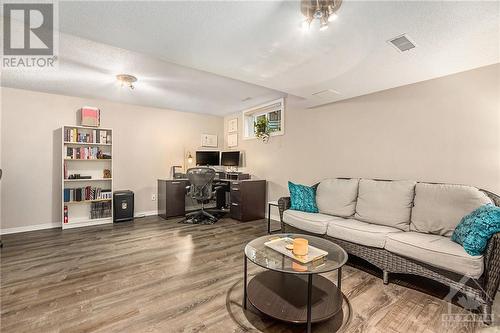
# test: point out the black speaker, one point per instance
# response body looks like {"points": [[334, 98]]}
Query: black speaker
{"points": [[123, 206]]}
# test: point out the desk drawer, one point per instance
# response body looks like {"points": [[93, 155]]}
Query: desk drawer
{"points": [[175, 198], [235, 195], [235, 211]]}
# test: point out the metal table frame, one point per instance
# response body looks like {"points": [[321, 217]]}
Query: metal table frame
{"points": [[269, 204], [309, 290]]}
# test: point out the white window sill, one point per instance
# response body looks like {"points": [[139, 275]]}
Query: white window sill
{"points": [[271, 134]]}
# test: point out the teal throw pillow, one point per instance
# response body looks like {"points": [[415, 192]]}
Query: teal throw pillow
{"points": [[302, 198], [475, 230]]}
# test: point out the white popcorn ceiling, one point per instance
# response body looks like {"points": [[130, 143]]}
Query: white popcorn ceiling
{"points": [[88, 69], [224, 44]]}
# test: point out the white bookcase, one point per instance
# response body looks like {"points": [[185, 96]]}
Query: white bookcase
{"points": [[86, 162]]}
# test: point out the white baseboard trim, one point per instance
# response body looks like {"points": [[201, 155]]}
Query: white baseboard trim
{"points": [[6, 231], [274, 217], [30, 228], [144, 214]]}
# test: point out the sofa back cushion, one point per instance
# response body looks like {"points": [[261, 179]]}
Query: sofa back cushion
{"points": [[337, 196], [385, 202], [438, 208]]}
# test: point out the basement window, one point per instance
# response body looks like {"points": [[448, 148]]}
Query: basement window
{"points": [[273, 112]]}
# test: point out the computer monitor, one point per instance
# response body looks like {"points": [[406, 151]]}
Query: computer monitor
{"points": [[230, 158], [207, 158]]}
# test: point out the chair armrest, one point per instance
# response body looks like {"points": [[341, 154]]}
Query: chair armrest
{"points": [[214, 190], [492, 267]]}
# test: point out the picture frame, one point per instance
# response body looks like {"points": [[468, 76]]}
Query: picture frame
{"points": [[209, 140], [89, 116], [232, 140], [232, 125]]}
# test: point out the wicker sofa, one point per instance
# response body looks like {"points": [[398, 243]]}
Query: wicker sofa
{"points": [[404, 227]]}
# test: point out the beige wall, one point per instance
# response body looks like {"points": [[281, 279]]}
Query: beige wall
{"points": [[442, 130], [146, 142], [1, 149]]}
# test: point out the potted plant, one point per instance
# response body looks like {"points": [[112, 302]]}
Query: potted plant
{"points": [[261, 128]]}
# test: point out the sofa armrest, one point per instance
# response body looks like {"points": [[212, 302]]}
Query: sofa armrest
{"points": [[492, 267], [283, 204]]}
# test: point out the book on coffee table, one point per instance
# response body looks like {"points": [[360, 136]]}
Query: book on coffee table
{"points": [[280, 244]]}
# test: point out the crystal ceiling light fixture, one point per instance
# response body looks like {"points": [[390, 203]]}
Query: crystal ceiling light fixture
{"points": [[126, 80], [322, 10]]}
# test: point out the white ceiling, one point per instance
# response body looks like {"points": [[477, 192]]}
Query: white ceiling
{"points": [[259, 42], [88, 69]]}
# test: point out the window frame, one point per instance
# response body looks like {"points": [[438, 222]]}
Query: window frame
{"points": [[256, 112]]}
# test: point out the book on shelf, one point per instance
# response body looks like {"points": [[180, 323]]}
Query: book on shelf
{"points": [[103, 137], [65, 171], [65, 214], [86, 193], [85, 153], [84, 135], [106, 194], [99, 210], [77, 194]]}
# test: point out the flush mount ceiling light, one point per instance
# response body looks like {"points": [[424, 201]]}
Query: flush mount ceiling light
{"points": [[322, 10], [126, 80]]}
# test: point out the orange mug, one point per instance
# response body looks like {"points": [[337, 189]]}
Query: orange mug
{"points": [[300, 246]]}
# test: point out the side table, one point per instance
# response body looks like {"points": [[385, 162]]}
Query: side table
{"points": [[269, 204]]}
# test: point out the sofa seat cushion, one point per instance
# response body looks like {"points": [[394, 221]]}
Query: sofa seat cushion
{"points": [[385, 202], [359, 232], [316, 223], [435, 250], [337, 196], [438, 208]]}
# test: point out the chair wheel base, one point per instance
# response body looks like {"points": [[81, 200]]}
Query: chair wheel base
{"points": [[201, 217]]}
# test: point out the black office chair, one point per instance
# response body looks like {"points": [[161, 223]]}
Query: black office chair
{"points": [[201, 179]]}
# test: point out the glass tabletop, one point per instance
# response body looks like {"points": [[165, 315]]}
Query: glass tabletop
{"points": [[260, 254]]}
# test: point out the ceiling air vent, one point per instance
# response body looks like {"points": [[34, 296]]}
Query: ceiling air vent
{"points": [[325, 93], [402, 43]]}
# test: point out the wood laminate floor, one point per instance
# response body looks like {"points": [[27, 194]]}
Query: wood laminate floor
{"points": [[160, 276]]}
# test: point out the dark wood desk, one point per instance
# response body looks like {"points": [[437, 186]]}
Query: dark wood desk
{"points": [[247, 198], [172, 197]]}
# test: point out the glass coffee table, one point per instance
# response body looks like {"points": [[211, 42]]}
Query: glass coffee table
{"points": [[289, 290]]}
